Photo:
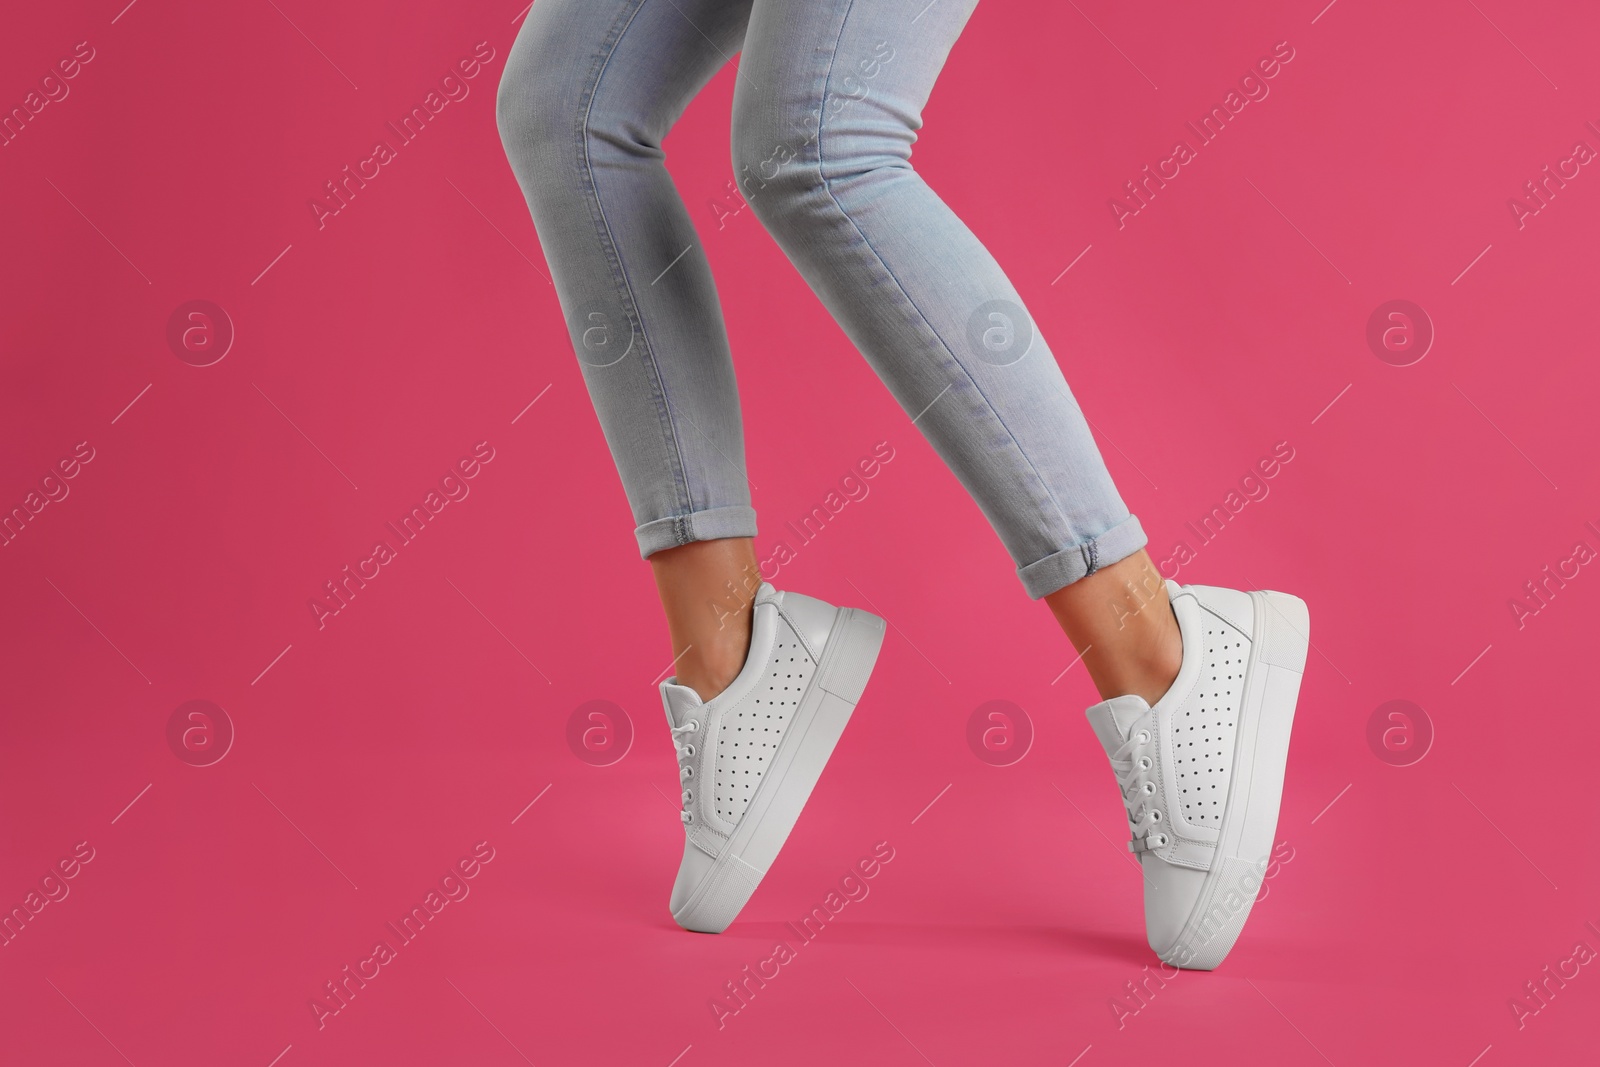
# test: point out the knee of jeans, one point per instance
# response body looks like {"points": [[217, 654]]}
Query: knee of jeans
{"points": [[775, 170], [531, 116]]}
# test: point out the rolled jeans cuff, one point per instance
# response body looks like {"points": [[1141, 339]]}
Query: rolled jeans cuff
{"points": [[1062, 568], [711, 525]]}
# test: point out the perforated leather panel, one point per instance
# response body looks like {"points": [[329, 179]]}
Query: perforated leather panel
{"points": [[750, 734], [1203, 731]]}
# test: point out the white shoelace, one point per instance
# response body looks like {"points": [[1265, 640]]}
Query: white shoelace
{"points": [[685, 750], [1135, 771]]}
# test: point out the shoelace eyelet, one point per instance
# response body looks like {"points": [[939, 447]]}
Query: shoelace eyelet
{"points": [[1144, 763], [1155, 816], [1144, 737], [1149, 789]]}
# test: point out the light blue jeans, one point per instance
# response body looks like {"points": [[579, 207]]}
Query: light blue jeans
{"points": [[826, 106]]}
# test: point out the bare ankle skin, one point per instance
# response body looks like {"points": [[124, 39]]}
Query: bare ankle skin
{"points": [[1120, 620], [707, 589]]}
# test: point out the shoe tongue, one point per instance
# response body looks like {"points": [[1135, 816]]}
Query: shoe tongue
{"points": [[680, 701], [1113, 719]]}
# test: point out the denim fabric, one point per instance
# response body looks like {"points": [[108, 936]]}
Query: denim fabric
{"points": [[827, 105]]}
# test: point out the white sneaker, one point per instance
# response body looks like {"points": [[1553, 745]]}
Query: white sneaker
{"points": [[1202, 772], [749, 757]]}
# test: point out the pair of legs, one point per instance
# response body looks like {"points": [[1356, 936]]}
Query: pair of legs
{"points": [[826, 107]]}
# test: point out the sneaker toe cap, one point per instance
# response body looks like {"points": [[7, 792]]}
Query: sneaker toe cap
{"points": [[1170, 893]]}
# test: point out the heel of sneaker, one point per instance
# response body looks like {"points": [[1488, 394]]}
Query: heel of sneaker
{"points": [[1285, 629], [860, 637]]}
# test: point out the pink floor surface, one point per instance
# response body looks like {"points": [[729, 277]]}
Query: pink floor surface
{"points": [[1440, 910]]}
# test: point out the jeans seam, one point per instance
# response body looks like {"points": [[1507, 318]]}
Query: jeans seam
{"points": [[619, 278], [827, 187]]}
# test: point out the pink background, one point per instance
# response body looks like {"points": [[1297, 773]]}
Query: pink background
{"points": [[372, 754]]}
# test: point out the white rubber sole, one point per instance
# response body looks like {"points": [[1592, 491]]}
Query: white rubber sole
{"points": [[1281, 633], [847, 661]]}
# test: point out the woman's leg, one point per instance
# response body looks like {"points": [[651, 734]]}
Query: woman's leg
{"points": [[825, 112], [590, 89]]}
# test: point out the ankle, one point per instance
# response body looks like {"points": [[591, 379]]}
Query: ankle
{"points": [[710, 665]]}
